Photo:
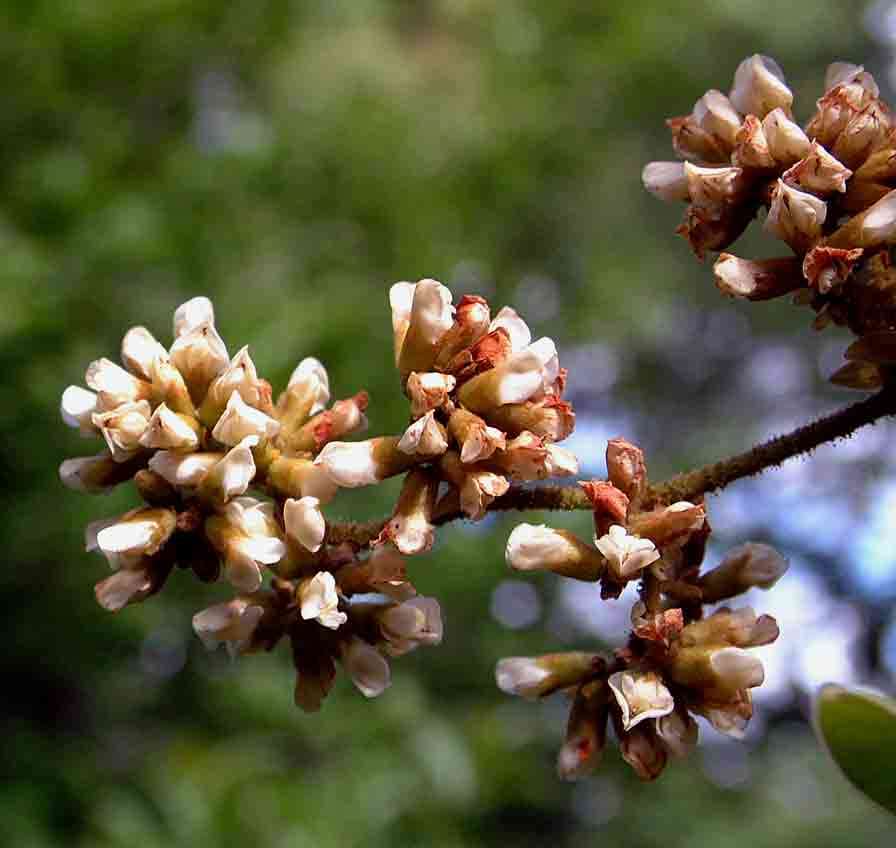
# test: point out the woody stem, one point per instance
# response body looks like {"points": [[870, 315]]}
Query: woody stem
{"points": [[683, 487]]}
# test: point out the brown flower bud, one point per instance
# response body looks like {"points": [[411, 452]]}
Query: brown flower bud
{"points": [[761, 279], [477, 440], [752, 149], [428, 391], [626, 467], [586, 732], [471, 321], [410, 528], [818, 172], [549, 417], [827, 267]]}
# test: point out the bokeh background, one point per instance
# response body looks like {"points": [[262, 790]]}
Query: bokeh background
{"points": [[291, 160]]}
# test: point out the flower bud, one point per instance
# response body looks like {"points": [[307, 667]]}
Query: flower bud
{"points": [[843, 73], [305, 522], [795, 216], [640, 695], [626, 555], [471, 323], [477, 486], [241, 420], [516, 328], [515, 380], [123, 588], [535, 677], [874, 227], [123, 427], [643, 750], [232, 475], [188, 316], [678, 732], [549, 417], [77, 408], [367, 668], [431, 316], [759, 87], [139, 349], [425, 438], [752, 149], [666, 180], [354, 464], [406, 626], [736, 668], [818, 172], [714, 188], [114, 385], [95, 473], [307, 393], [199, 355], [865, 132], [428, 391], [477, 440], [169, 387], [319, 600], [298, 477], [232, 624], [169, 431], [154, 489], [246, 534], [540, 548], [345, 417], [626, 467], [410, 528], [787, 142], [586, 732], [183, 470], [668, 525], [141, 532], [761, 279], [715, 113], [743, 567], [240, 376]]}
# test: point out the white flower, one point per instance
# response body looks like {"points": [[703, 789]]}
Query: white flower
{"points": [[640, 695], [522, 676], [319, 599], [188, 316], [305, 522], [239, 376], [77, 408], [518, 378], [123, 427], [113, 384], [431, 311], [240, 420], [428, 390], [312, 377], [183, 470], [352, 464], [416, 622], [425, 437], [236, 470], [141, 533], [367, 667], [532, 547], [122, 588], [247, 534], [231, 624], [666, 180], [169, 431], [759, 87], [560, 462], [795, 216], [200, 355], [139, 349], [626, 554], [516, 327], [737, 668], [787, 142]]}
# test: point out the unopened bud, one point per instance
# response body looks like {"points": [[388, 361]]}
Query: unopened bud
{"points": [[305, 522], [586, 732], [666, 180], [752, 146], [428, 391], [795, 216], [874, 227], [535, 677], [169, 431], [477, 440], [123, 428], [139, 349], [539, 548], [426, 437], [759, 87], [818, 172], [353, 464], [410, 528], [471, 323], [746, 566], [200, 355], [761, 279], [787, 142], [431, 316], [367, 668]]}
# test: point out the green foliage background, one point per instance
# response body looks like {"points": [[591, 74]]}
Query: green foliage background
{"points": [[291, 160]]}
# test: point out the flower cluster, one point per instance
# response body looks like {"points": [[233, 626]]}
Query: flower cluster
{"points": [[204, 442], [677, 663], [234, 483], [829, 189], [486, 408]]}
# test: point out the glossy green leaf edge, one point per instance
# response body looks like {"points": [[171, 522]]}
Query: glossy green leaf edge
{"points": [[857, 726]]}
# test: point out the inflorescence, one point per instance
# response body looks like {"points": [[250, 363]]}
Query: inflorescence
{"points": [[828, 190]]}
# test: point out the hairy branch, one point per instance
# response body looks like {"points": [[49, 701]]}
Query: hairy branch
{"points": [[686, 486]]}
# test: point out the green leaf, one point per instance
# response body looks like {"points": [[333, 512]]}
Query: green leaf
{"points": [[858, 728]]}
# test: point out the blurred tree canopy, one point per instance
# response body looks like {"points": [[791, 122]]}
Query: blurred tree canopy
{"points": [[291, 160]]}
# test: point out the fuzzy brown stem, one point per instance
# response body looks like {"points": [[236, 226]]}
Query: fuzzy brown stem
{"points": [[683, 487]]}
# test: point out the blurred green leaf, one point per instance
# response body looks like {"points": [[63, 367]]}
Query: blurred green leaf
{"points": [[859, 729]]}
